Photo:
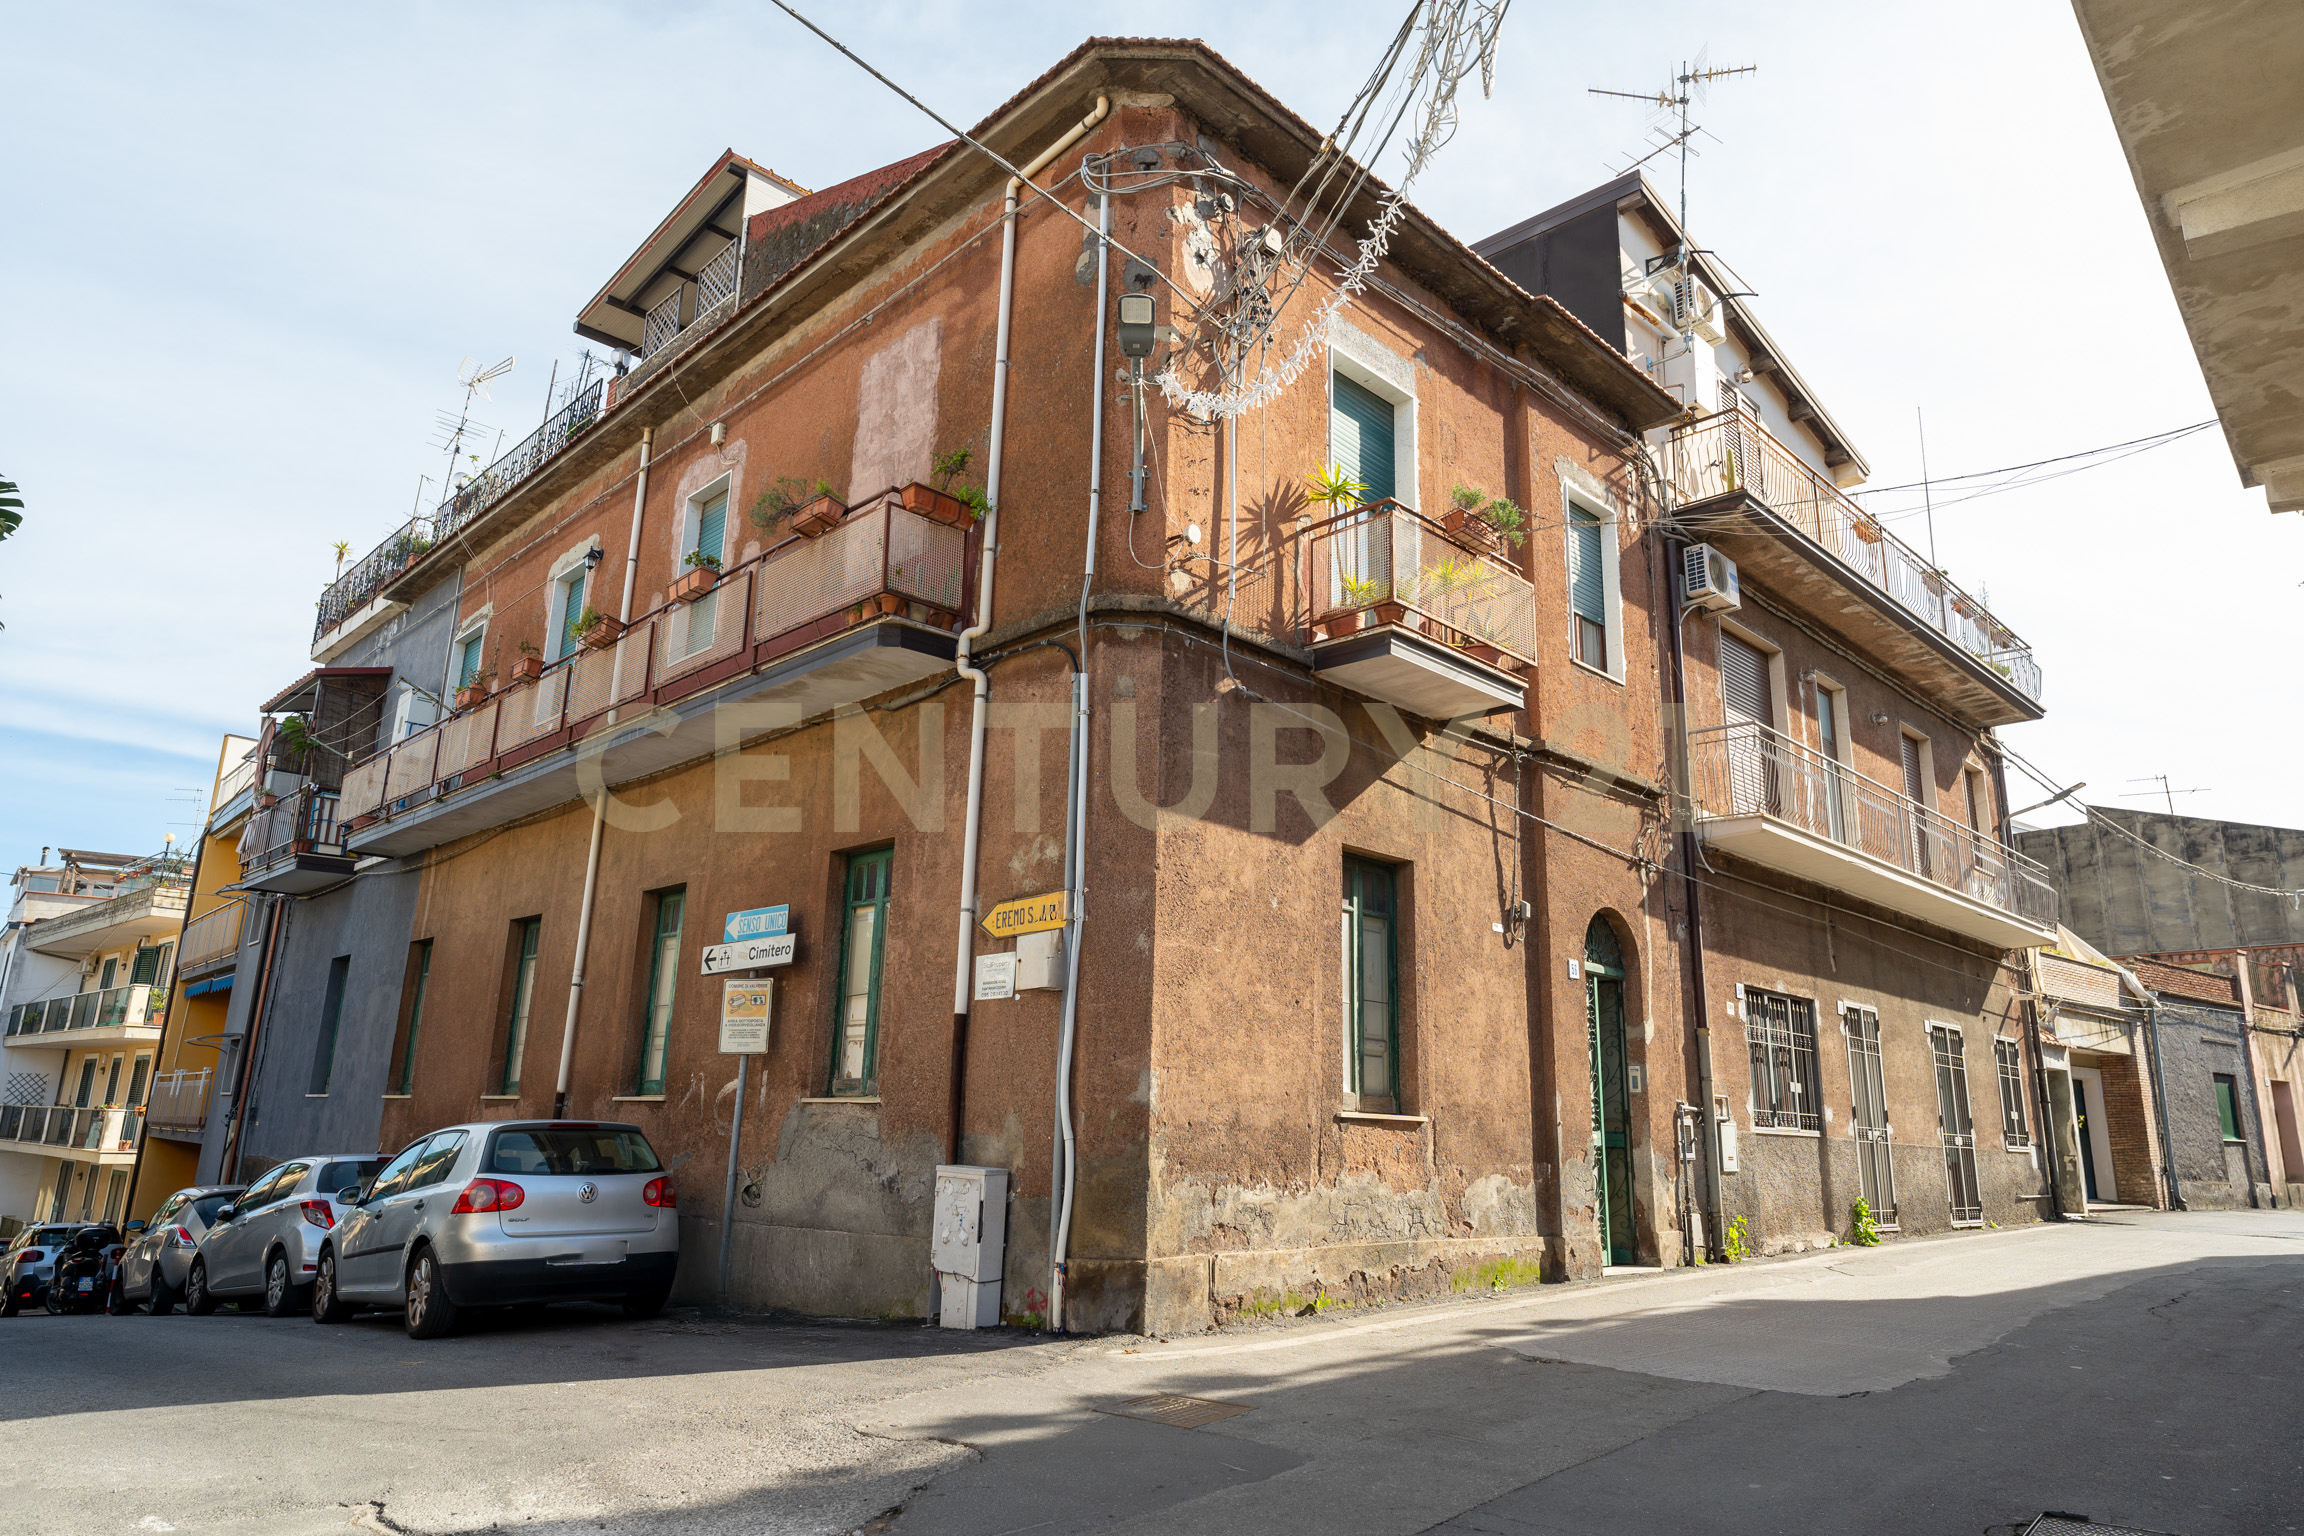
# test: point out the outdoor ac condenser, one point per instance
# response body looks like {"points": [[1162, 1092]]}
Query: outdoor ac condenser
{"points": [[968, 1244], [1708, 579]]}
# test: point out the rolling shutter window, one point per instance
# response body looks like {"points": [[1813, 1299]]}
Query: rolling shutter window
{"points": [[1744, 682], [1360, 423], [1913, 789], [712, 525], [1586, 589]]}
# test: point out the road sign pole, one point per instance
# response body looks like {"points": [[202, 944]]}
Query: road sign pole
{"points": [[728, 1199]]}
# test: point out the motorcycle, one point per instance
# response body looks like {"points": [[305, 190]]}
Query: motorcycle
{"points": [[82, 1278]]}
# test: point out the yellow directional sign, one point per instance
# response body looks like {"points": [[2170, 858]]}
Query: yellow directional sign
{"points": [[1027, 914]]}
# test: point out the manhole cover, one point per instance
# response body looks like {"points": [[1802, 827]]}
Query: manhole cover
{"points": [[2080, 1525], [1180, 1412]]}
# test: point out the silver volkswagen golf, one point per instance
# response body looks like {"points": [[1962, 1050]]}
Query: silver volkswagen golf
{"points": [[501, 1213]]}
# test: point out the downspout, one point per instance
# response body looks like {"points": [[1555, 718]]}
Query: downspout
{"points": [[964, 961], [1076, 854], [600, 806], [1692, 893]]}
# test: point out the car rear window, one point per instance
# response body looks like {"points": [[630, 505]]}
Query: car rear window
{"points": [[335, 1177], [207, 1206], [42, 1237], [552, 1150]]}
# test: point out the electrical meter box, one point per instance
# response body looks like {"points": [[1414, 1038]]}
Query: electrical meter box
{"points": [[968, 1244], [1040, 961]]}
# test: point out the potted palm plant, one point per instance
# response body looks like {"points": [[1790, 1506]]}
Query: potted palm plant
{"points": [[701, 576]]}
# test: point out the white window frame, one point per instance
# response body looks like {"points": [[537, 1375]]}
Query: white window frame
{"points": [[1386, 374], [1611, 582], [692, 512], [474, 628]]}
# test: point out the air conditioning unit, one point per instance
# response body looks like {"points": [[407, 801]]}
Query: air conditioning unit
{"points": [[1708, 579], [1700, 311]]}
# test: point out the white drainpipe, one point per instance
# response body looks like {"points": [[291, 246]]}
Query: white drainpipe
{"points": [[965, 963], [600, 806]]}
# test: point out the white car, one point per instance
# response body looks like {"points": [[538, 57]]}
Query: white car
{"points": [[266, 1243]]}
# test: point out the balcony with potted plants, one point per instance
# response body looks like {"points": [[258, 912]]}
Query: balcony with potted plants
{"points": [[847, 601], [1428, 615], [105, 1134], [292, 845], [126, 1015]]}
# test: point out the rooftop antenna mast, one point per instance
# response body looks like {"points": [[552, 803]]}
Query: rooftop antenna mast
{"points": [[475, 380], [2165, 792]]}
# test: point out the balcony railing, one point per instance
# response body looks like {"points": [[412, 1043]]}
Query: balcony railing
{"points": [[111, 1008], [1386, 554], [66, 1128], [880, 559], [304, 822], [1731, 451], [352, 591], [212, 936], [179, 1100], [236, 779], [1744, 769]]}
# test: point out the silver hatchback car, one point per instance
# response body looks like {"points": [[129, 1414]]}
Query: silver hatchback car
{"points": [[502, 1213], [153, 1268], [267, 1242]]}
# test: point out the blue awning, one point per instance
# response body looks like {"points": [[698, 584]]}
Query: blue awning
{"points": [[221, 983]]}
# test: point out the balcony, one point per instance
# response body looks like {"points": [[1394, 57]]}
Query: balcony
{"points": [[119, 922], [1402, 610], [815, 623], [114, 1016], [178, 1104], [83, 1135], [293, 847], [1738, 487], [358, 600], [1764, 797], [211, 940]]}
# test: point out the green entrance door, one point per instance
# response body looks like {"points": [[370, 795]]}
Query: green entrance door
{"points": [[1611, 1097]]}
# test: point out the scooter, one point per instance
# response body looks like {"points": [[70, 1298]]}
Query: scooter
{"points": [[82, 1278]]}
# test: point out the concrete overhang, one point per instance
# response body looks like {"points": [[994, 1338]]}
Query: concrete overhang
{"points": [[2203, 99], [853, 666], [298, 874], [1783, 847], [1809, 579], [711, 215], [357, 626], [157, 912], [1417, 674]]}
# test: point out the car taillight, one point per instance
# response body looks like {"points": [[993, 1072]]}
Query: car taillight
{"points": [[660, 1192], [181, 1238], [30, 1256], [319, 1213], [488, 1195]]}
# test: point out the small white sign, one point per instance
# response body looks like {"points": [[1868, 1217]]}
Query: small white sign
{"points": [[995, 977], [1575, 970], [744, 1010], [751, 954]]}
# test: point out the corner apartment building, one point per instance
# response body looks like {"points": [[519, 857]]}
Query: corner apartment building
{"points": [[1859, 907], [84, 981]]}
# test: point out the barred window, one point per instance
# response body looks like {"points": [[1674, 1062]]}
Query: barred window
{"points": [[1782, 1034], [2004, 1051]]}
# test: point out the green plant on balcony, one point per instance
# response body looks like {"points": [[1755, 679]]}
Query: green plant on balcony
{"points": [[1334, 489], [702, 558], [773, 508], [1363, 594], [948, 467], [292, 737], [1498, 518]]}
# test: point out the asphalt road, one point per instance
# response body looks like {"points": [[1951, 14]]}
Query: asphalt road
{"points": [[2144, 1370]]}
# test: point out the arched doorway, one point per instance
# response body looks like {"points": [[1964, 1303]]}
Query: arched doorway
{"points": [[1611, 1090]]}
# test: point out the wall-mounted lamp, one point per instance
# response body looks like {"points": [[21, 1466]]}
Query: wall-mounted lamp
{"points": [[1743, 375], [594, 555], [1879, 717], [719, 433], [1136, 328]]}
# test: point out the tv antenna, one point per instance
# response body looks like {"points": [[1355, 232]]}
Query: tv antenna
{"points": [[475, 380], [1680, 92], [2165, 792]]}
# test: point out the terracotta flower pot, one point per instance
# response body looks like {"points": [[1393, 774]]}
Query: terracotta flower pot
{"points": [[471, 694], [888, 602], [932, 503], [604, 632], [1471, 530], [694, 583], [1341, 624], [527, 669], [1479, 651], [817, 517], [1391, 613]]}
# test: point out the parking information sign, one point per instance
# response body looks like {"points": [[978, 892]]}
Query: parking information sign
{"points": [[744, 1008], [757, 923]]}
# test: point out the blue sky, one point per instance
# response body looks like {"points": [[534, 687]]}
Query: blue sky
{"points": [[252, 245]]}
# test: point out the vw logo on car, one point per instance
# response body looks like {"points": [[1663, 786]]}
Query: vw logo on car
{"points": [[588, 1193]]}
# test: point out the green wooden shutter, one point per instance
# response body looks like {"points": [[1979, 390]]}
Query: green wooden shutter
{"points": [[571, 604], [1360, 422], [663, 979], [712, 525], [468, 660], [1585, 593]]}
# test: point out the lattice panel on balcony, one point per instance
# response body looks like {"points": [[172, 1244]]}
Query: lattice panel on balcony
{"points": [[531, 711], [614, 674], [823, 575], [412, 764], [710, 629], [364, 787]]}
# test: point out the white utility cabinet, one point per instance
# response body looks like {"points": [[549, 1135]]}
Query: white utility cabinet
{"points": [[968, 1244]]}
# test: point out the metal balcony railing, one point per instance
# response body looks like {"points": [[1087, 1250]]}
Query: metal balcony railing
{"points": [[304, 822], [1744, 769], [1731, 451], [236, 779], [212, 936], [880, 559], [179, 1100], [111, 1008], [1386, 554], [78, 1130], [353, 590]]}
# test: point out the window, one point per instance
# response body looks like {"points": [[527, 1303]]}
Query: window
{"points": [[395, 1176], [115, 1192], [523, 996], [2006, 1053], [1954, 1128], [564, 1151], [705, 533], [87, 1083], [2228, 1106], [331, 1013], [1371, 983], [439, 1156], [337, 1177], [1360, 429], [63, 1192], [1912, 756], [420, 965], [174, 1203], [137, 1080], [1587, 587], [567, 604], [144, 970], [111, 973], [656, 1005], [1831, 735], [1781, 1032], [112, 1083], [863, 935], [276, 1185], [1973, 798], [468, 657]]}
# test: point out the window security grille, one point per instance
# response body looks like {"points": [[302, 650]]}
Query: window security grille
{"points": [[1957, 1129], [1782, 1033], [1868, 1104], [2012, 1128]]}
